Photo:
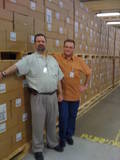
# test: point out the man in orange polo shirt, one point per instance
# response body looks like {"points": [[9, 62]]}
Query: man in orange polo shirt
{"points": [[71, 66]]}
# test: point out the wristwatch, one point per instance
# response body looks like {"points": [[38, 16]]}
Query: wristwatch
{"points": [[3, 74]]}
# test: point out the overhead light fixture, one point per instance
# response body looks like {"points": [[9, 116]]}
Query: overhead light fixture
{"points": [[108, 14], [113, 23]]}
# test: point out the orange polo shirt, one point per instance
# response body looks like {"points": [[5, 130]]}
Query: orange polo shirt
{"points": [[71, 86]]}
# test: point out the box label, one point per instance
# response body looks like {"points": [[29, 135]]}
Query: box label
{"points": [[12, 36], [57, 43], [33, 5], [61, 4], [2, 88], [18, 137], [2, 128], [32, 39], [18, 102], [48, 16], [3, 112], [25, 117], [57, 15], [25, 84], [68, 20], [60, 30], [14, 1], [49, 27], [76, 27]]}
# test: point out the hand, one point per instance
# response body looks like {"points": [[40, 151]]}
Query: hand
{"points": [[60, 98], [83, 88]]}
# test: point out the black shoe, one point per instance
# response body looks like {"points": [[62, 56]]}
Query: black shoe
{"points": [[70, 141], [58, 148], [62, 143], [38, 156]]}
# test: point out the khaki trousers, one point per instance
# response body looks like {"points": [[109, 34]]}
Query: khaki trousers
{"points": [[44, 114]]}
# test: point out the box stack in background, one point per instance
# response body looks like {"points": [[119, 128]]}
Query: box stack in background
{"points": [[80, 26], [103, 47], [15, 113], [111, 41], [58, 22], [117, 70]]}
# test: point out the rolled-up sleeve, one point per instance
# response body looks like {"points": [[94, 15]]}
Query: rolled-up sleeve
{"points": [[60, 74], [22, 66]]}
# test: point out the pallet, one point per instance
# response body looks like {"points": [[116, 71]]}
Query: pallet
{"points": [[19, 153], [96, 99]]}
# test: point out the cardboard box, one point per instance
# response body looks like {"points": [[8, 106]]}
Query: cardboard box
{"points": [[6, 26], [39, 24], [9, 84], [6, 15], [16, 41], [17, 137], [16, 7], [6, 19], [20, 2], [5, 143], [23, 23], [11, 108]]}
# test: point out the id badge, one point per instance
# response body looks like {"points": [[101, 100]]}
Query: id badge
{"points": [[45, 70], [72, 74]]}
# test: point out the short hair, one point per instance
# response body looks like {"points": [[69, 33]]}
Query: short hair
{"points": [[69, 40], [39, 34]]}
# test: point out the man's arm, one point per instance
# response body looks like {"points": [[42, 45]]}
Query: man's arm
{"points": [[12, 69], [60, 95], [87, 80]]}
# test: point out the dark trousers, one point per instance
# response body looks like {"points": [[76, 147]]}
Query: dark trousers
{"points": [[67, 117]]}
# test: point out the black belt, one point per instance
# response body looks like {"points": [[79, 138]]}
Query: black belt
{"points": [[34, 92]]}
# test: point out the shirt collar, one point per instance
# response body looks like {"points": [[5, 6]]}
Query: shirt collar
{"points": [[39, 55], [66, 58]]}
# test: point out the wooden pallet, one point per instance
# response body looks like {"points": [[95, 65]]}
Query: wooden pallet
{"points": [[96, 99], [19, 153]]}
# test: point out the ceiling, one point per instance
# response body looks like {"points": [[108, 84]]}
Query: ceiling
{"points": [[97, 6]]}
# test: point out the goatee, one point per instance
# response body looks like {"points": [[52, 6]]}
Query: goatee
{"points": [[40, 48]]}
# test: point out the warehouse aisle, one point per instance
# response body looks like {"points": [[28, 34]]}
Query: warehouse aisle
{"points": [[103, 122], [82, 150]]}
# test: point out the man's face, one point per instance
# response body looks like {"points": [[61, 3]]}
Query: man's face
{"points": [[68, 48], [40, 44]]}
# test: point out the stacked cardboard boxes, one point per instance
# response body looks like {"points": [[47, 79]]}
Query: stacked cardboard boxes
{"points": [[58, 22], [15, 114], [117, 70]]}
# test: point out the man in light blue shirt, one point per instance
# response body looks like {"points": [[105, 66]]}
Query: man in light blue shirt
{"points": [[44, 79]]}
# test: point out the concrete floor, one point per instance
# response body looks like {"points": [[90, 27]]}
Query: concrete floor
{"points": [[102, 121], [82, 150]]}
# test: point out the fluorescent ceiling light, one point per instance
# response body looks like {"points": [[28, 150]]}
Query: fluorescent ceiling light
{"points": [[113, 23], [108, 14]]}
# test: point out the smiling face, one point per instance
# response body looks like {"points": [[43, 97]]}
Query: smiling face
{"points": [[40, 43], [68, 49]]}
